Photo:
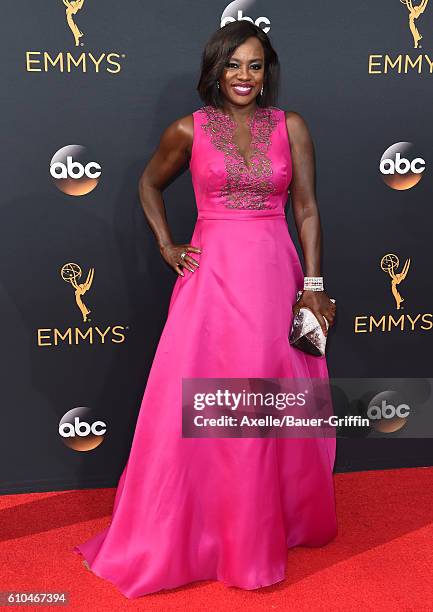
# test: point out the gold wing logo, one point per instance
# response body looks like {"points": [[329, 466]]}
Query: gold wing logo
{"points": [[389, 263], [71, 273], [72, 8], [414, 13]]}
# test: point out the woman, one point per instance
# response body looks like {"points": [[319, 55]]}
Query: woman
{"points": [[190, 509]]}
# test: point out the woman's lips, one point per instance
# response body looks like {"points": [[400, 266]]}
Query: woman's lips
{"points": [[243, 90]]}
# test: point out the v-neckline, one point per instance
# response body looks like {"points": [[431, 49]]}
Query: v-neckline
{"points": [[251, 120]]}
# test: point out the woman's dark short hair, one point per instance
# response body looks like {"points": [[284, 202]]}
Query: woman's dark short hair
{"points": [[218, 51]]}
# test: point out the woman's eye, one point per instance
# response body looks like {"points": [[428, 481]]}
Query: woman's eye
{"points": [[234, 65]]}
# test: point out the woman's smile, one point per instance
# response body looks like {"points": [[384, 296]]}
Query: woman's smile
{"points": [[242, 90]]}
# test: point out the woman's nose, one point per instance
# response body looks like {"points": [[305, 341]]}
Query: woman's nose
{"points": [[244, 72]]}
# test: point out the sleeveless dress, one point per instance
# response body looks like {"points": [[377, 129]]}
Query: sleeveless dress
{"points": [[226, 509]]}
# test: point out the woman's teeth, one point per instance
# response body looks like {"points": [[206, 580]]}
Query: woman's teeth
{"points": [[242, 89]]}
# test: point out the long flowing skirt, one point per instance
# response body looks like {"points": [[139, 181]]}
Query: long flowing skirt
{"points": [[224, 509]]}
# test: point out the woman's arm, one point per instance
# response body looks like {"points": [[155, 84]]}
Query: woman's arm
{"points": [[306, 214], [172, 153]]}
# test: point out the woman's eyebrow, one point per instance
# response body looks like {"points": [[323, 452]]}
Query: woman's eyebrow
{"points": [[256, 59]]}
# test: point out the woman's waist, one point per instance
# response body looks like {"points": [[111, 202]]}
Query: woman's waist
{"points": [[241, 214]]}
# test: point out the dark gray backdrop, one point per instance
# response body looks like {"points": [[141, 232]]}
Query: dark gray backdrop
{"points": [[353, 117]]}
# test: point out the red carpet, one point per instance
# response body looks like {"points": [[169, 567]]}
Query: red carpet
{"points": [[382, 558]]}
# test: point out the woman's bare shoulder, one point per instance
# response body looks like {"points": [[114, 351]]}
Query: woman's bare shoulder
{"points": [[181, 128], [295, 120], [297, 126], [178, 134]]}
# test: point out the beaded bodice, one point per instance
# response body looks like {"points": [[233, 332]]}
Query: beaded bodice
{"points": [[223, 179]]}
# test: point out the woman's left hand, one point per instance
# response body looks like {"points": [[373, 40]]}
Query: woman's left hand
{"points": [[321, 306]]}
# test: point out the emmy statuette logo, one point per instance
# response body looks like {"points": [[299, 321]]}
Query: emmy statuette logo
{"points": [[398, 320], [75, 60], [87, 334], [389, 264], [72, 8], [71, 273], [414, 13], [403, 63]]}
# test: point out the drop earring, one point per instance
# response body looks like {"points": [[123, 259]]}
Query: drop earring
{"points": [[218, 84], [261, 91]]}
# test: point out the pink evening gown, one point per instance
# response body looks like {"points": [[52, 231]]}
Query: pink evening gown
{"points": [[226, 509]]}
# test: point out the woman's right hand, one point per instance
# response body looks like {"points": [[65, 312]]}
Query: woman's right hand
{"points": [[172, 255]]}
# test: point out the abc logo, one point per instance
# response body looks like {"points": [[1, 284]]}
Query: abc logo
{"points": [[386, 412], [80, 430], [73, 170], [232, 12], [399, 166]]}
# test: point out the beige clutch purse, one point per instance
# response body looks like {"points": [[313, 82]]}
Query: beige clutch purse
{"points": [[306, 333]]}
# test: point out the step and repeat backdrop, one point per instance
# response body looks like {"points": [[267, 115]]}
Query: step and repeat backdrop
{"points": [[88, 87]]}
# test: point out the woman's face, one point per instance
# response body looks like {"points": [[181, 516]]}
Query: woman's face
{"points": [[245, 68]]}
